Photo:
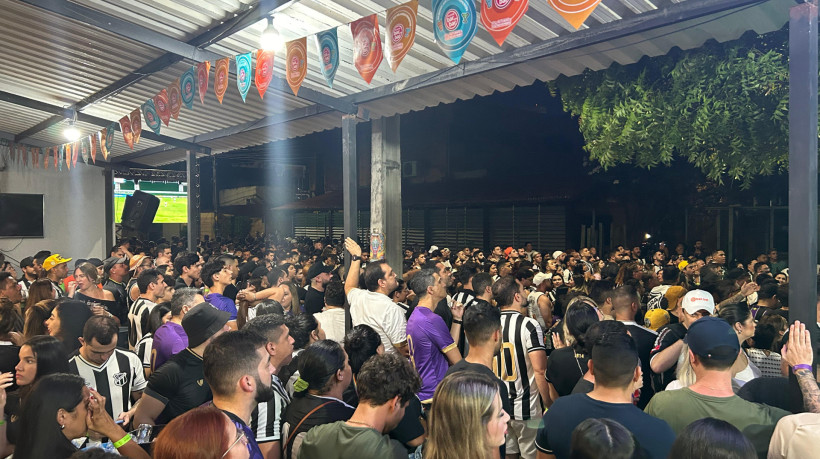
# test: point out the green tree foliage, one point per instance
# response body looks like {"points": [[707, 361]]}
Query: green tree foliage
{"points": [[722, 107]]}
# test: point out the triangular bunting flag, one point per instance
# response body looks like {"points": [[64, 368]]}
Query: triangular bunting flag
{"points": [[296, 64], [68, 148], [149, 112], [161, 105], [84, 147], [454, 26], [127, 135], [264, 70], [187, 87], [244, 75], [203, 69], [401, 32], [328, 44], [174, 99], [367, 46], [47, 157], [221, 78], [574, 11], [75, 153], [35, 157], [93, 139], [500, 17], [59, 158], [136, 124]]}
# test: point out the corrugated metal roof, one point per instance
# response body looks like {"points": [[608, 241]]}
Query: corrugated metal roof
{"points": [[60, 61]]}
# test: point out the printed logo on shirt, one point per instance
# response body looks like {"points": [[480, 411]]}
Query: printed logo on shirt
{"points": [[200, 382], [120, 379]]}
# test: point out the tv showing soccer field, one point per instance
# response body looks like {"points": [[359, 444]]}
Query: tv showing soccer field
{"points": [[173, 199]]}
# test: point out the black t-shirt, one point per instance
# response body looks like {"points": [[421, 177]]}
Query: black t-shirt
{"points": [[410, 426], [463, 365], [555, 433], [335, 410], [583, 387], [120, 297], [314, 300], [645, 341], [443, 310], [564, 368], [9, 358], [230, 292], [180, 384], [667, 336]]}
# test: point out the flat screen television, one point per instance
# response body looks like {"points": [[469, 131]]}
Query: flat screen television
{"points": [[173, 199], [21, 215]]}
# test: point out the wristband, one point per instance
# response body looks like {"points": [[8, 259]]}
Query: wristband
{"points": [[801, 366], [122, 441], [355, 258], [456, 321]]}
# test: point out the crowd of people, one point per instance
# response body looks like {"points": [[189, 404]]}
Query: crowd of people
{"points": [[277, 349]]}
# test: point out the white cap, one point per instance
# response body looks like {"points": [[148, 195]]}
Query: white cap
{"points": [[539, 278], [697, 300], [433, 248], [557, 254]]}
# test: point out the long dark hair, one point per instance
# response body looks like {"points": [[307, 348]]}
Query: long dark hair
{"points": [[40, 436], [51, 358], [73, 315], [156, 315], [579, 316], [734, 313], [710, 437], [318, 364]]}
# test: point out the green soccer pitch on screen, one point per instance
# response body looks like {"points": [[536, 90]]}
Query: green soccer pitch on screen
{"points": [[173, 199]]}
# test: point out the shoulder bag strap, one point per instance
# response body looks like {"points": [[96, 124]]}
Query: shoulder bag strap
{"points": [[296, 429]]}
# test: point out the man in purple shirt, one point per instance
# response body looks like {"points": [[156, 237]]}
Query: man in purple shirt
{"points": [[216, 275], [170, 338], [432, 346]]}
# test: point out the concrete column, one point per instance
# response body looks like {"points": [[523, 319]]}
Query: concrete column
{"points": [[385, 188]]}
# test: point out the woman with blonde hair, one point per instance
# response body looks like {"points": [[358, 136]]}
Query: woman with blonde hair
{"points": [[466, 413]]}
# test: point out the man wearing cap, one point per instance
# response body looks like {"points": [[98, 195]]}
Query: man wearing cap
{"points": [[319, 275], [713, 348], [117, 269], [625, 305], [180, 385], [539, 305], [56, 268], [668, 346], [688, 271], [29, 275]]}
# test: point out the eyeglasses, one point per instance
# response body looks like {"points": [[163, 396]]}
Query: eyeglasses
{"points": [[240, 436]]}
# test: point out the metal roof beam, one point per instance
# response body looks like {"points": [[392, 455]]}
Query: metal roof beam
{"points": [[179, 50], [673, 14], [62, 113], [267, 121]]}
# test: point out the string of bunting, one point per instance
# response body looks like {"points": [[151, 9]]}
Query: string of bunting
{"points": [[455, 23]]}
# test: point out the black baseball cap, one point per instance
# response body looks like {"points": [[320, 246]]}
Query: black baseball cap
{"points": [[26, 262], [712, 337], [318, 268]]}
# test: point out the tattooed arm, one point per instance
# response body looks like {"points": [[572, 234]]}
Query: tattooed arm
{"points": [[798, 351]]}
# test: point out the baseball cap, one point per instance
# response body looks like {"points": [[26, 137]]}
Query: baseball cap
{"points": [[540, 277], [682, 265], [712, 337], [508, 251], [557, 254], [672, 294], [433, 248], [655, 318], [26, 262], [203, 321], [697, 300], [53, 261], [111, 261], [95, 261], [318, 268]]}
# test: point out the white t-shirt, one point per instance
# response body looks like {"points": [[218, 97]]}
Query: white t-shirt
{"points": [[332, 321], [378, 311]]}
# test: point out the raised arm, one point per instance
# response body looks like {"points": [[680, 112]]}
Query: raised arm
{"points": [[798, 352], [355, 251]]}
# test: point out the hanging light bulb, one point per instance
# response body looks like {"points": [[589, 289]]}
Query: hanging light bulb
{"points": [[270, 39], [71, 133]]}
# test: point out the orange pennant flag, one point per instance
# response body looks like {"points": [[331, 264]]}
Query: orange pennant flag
{"points": [[296, 64], [127, 134], [574, 11], [221, 77], [93, 140], [136, 124], [75, 153], [174, 99], [68, 148]]}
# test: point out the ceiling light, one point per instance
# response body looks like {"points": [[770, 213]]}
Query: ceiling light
{"points": [[71, 133], [270, 39]]}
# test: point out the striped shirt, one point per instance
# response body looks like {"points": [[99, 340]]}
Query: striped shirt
{"points": [[143, 349], [266, 419], [138, 316], [520, 335], [115, 379]]}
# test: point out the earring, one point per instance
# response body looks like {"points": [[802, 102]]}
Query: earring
{"points": [[62, 426]]}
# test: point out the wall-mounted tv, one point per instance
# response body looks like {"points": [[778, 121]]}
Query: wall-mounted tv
{"points": [[173, 196], [21, 215]]}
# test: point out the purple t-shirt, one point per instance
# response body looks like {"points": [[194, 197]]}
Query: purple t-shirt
{"points": [[428, 339], [222, 302], [169, 339]]}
